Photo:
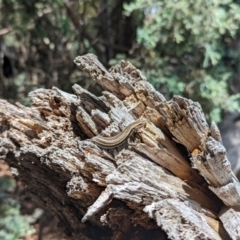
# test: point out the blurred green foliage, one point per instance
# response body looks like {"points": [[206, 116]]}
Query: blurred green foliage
{"points": [[185, 47], [13, 225], [190, 48]]}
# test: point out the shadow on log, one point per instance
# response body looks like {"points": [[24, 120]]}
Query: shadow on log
{"points": [[126, 165]]}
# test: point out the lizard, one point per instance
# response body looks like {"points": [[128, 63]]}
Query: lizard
{"points": [[120, 138]]}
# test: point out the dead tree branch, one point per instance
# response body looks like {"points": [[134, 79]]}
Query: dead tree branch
{"points": [[170, 179]]}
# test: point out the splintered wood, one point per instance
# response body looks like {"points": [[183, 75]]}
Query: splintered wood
{"points": [[170, 179]]}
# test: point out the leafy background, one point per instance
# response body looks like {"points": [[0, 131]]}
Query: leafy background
{"points": [[184, 47]]}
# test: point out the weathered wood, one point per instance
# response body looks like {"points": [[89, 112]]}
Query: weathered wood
{"points": [[230, 220], [172, 180]]}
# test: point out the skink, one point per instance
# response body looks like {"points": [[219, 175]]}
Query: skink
{"points": [[119, 139]]}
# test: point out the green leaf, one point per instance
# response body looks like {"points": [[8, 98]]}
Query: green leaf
{"points": [[211, 56]]}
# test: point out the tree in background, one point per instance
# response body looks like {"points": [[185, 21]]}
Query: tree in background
{"points": [[190, 47], [47, 35], [183, 47]]}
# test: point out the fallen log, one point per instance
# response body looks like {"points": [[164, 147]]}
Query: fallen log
{"points": [[125, 165]]}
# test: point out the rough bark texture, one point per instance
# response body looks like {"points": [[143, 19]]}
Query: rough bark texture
{"points": [[172, 180]]}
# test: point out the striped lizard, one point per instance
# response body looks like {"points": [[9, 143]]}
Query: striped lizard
{"points": [[120, 138]]}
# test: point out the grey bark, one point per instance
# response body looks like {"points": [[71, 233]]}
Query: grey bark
{"points": [[172, 180]]}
